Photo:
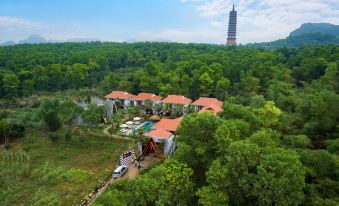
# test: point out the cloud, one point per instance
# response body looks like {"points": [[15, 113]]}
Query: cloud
{"points": [[178, 36], [7, 21], [266, 20]]}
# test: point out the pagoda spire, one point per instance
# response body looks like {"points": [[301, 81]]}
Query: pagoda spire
{"points": [[232, 28]]}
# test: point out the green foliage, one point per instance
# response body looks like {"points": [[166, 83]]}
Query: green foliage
{"points": [[68, 135], [53, 136], [93, 114], [250, 175], [49, 114], [333, 146], [167, 184]]}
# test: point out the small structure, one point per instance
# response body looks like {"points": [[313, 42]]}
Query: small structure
{"points": [[205, 102], [162, 136], [141, 98], [211, 108], [116, 99], [175, 100], [169, 125]]}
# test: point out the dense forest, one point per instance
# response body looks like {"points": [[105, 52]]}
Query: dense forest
{"points": [[276, 142]]}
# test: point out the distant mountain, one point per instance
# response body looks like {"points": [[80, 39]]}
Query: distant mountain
{"points": [[33, 39], [37, 39], [325, 28], [8, 43], [307, 34]]}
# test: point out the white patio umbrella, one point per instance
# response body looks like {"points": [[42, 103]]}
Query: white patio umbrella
{"points": [[136, 118], [123, 125], [129, 122]]}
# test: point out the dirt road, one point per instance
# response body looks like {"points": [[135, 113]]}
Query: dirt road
{"points": [[132, 173]]}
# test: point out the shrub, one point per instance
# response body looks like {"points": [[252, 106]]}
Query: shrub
{"points": [[53, 136]]}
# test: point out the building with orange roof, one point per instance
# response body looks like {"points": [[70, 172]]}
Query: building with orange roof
{"points": [[122, 98], [142, 97], [170, 125], [205, 102], [176, 100], [211, 108]]}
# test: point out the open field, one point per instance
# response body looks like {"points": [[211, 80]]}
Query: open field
{"points": [[37, 171]]}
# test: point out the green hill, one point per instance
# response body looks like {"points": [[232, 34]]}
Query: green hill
{"points": [[307, 34], [325, 28]]}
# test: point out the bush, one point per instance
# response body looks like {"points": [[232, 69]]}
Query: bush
{"points": [[68, 135], [53, 136], [333, 146]]}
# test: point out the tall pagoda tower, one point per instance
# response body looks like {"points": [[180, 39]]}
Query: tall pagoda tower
{"points": [[232, 28]]}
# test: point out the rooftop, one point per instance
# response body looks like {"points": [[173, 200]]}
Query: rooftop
{"points": [[211, 108], [170, 125], [145, 96], [205, 101], [176, 99], [159, 133], [119, 95]]}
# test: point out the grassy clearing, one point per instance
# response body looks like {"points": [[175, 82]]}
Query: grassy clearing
{"points": [[37, 171]]}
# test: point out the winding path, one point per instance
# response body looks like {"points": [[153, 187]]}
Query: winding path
{"points": [[132, 173]]}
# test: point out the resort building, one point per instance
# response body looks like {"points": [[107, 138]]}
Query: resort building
{"points": [[205, 102], [116, 99], [211, 108], [169, 125], [176, 100], [164, 137], [141, 98]]}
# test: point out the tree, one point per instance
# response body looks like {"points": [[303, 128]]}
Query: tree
{"points": [[93, 114], [49, 113], [196, 131], [222, 87], [249, 175], [68, 111], [4, 131], [10, 84]]}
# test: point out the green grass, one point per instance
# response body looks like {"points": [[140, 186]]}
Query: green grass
{"points": [[37, 171]]}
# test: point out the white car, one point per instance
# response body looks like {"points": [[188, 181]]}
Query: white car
{"points": [[120, 171]]}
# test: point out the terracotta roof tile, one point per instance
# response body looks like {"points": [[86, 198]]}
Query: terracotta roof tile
{"points": [[205, 101], [170, 125], [176, 99], [211, 108], [119, 95], [159, 133], [145, 96]]}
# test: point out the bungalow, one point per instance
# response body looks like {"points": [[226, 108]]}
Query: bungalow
{"points": [[169, 125], [206, 102], [163, 136], [120, 97], [211, 108], [164, 132], [176, 100], [140, 99]]}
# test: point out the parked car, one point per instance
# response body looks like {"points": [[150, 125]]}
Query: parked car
{"points": [[120, 171]]}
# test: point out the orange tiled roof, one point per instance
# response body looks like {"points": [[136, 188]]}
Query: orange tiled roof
{"points": [[205, 101], [119, 95], [159, 133], [170, 125], [211, 108], [145, 96], [176, 99]]}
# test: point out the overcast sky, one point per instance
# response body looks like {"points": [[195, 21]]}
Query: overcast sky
{"points": [[175, 20]]}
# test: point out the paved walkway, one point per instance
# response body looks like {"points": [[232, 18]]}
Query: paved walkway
{"points": [[105, 131], [132, 173]]}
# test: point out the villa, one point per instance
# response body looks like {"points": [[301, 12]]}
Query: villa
{"points": [[141, 98], [208, 104], [118, 98], [169, 125], [163, 136], [176, 100]]}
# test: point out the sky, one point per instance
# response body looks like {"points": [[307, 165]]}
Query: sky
{"points": [[199, 21]]}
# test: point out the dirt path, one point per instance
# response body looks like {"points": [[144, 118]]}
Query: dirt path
{"points": [[132, 173]]}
